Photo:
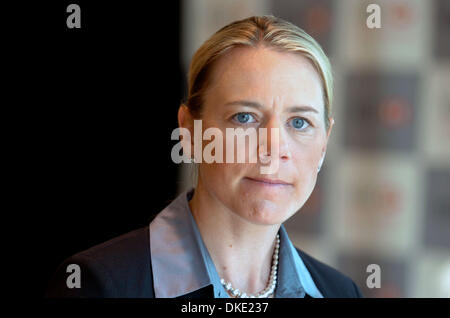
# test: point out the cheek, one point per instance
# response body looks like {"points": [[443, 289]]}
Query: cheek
{"points": [[222, 175], [306, 162], [306, 154]]}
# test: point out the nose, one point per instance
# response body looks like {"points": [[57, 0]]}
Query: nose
{"points": [[274, 141]]}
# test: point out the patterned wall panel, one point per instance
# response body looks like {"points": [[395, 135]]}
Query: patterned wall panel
{"points": [[436, 114], [380, 111], [441, 31], [393, 274], [437, 207], [402, 40], [432, 277], [378, 198]]}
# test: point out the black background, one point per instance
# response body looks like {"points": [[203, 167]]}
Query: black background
{"points": [[97, 106]]}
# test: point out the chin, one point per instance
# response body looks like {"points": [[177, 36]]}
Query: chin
{"points": [[265, 212]]}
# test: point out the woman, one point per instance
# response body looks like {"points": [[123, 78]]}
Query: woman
{"points": [[224, 238]]}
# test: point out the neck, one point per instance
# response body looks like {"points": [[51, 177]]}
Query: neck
{"points": [[241, 251]]}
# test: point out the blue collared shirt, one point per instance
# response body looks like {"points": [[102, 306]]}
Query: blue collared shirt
{"points": [[181, 263]]}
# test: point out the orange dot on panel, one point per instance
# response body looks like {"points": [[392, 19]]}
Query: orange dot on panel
{"points": [[391, 199], [402, 13], [395, 112]]}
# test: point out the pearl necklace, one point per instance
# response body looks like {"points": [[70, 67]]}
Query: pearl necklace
{"points": [[270, 286]]}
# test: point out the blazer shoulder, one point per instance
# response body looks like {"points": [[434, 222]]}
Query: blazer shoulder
{"points": [[120, 250], [330, 281], [119, 267]]}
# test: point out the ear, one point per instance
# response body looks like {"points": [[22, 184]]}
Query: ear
{"points": [[324, 149], [186, 120], [330, 128], [328, 135]]}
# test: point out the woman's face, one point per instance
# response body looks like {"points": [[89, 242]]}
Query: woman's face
{"points": [[277, 82]]}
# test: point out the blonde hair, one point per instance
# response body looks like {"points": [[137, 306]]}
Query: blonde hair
{"points": [[255, 31], [265, 30]]}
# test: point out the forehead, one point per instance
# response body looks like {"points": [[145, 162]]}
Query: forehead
{"points": [[266, 75]]}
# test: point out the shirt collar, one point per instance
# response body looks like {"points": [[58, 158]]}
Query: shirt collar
{"points": [[181, 263]]}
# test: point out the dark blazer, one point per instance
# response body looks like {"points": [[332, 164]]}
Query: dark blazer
{"points": [[121, 267]]}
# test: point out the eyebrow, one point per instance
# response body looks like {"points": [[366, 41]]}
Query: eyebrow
{"points": [[292, 109]]}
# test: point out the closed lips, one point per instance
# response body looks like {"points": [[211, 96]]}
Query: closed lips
{"points": [[270, 181]]}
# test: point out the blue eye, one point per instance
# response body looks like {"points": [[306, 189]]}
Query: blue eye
{"points": [[244, 118], [298, 122]]}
